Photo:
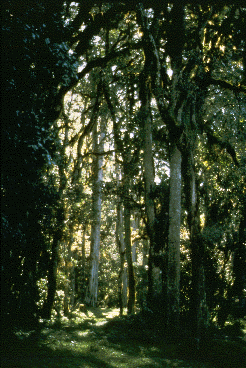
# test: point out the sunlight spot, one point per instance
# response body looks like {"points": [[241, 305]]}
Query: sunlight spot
{"points": [[170, 72], [84, 333]]}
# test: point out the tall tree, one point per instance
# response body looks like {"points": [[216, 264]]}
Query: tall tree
{"points": [[97, 182], [127, 226], [171, 115], [119, 233], [175, 49], [173, 271], [149, 176]]}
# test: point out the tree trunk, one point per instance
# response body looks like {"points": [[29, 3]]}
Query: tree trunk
{"points": [[121, 247], [122, 280], [131, 278], [173, 271], [198, 308], [198, 305], [125, 151], [82, 286], [154, 272], [239, 261], [124, 273], [69, 272], [66, 290], [97, 174], [135, 245], [125, 286], [149, 206], [52, 273], [57, 237], [58, 233], [145, 252], [127, 226]]}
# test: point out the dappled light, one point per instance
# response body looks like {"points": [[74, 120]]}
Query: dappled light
{"points": [[104, 340], [123, 198]]}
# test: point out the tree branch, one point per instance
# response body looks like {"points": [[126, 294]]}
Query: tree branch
{"points": [[223, 145], [207, 81]]}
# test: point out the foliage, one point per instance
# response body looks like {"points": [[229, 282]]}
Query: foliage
{"points": [[71, 63], [35, 63]]}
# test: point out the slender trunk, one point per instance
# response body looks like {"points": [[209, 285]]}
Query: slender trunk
{"points": [[121, 247], [125, 286], [127, 227], [66, 290], [57, 237], [154, 284], [122, 280], [69, 272], [149, 204], [175, 112], [198, 305], [52, 273], [82, 285], [73, 281], [173, 271], [131, 278], [239, 261], [97, 172], [135, 227], [124, 149], [145, 252]]}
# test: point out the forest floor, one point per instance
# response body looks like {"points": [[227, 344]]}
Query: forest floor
{"points": [[100, 339]]}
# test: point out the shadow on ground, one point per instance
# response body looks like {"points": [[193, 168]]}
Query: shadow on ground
{"points": [[101, 339]]}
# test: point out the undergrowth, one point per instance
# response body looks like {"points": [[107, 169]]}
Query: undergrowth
{"points": [[100, 338]]}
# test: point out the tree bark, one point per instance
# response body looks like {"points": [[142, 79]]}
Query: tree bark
{"points": [[173, 271], [127, 227], [69, 272], [131, 278], [121, 246], [148, 163], [135, 245], [154, 287], [52, 274], [239, 261], [198, 305], [124, 274], [171, 114], [97, 173], [57, 236], [145, 252], [122, 279], [81, 283]]}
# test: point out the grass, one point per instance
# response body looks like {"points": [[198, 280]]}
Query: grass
{"points": [[100, 339]]}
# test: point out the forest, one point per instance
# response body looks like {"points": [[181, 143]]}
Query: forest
{"points": [[123, 130]]}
